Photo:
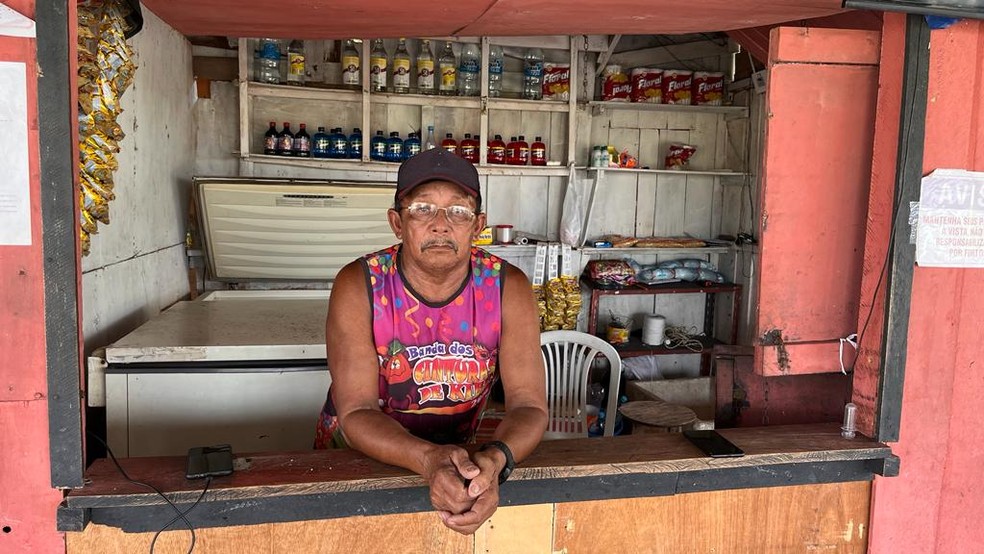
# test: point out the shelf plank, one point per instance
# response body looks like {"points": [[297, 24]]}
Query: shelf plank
{"points": [[635, 347], [527, 105], [592, 251], [358, 165], [302, 93], [600, 106], [471, 102], [683, 287], [688, 173]]}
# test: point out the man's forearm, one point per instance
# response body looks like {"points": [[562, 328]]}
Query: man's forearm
{"points": [[381, 437], [522, 429]]}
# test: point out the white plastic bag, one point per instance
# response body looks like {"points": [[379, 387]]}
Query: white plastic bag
{"points": [[571, 219]]}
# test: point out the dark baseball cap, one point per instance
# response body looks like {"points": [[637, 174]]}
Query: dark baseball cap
{"points": [[437, 164]]}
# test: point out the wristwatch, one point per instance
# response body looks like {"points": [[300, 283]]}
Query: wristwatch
{"points": [[510, 461]]}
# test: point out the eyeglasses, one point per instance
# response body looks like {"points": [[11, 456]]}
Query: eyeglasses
{"points": [[426, 212]]}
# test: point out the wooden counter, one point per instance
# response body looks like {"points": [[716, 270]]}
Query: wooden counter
{"points": [[320, 485]]}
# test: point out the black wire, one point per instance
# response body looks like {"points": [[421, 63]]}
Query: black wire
{"points": [[181, 515]]}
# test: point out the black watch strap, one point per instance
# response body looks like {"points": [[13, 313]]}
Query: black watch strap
{"points": [[510, 461]]}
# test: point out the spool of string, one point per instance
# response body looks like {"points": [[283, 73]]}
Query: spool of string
{"points": [[653, 328], [681, 337]]}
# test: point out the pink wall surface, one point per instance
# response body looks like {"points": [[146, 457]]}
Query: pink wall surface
{"points": [[936, 504]]}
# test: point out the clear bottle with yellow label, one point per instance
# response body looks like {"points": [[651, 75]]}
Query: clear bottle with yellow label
{"points": [[351, 66], [295, 63], [378, 66], [401, 68], [425, 69], [448, 68]]}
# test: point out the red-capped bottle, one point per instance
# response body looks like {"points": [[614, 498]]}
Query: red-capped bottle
{"points": [[523, 151], [538, 152], [512, 151], [449, 143], [469, 149], [497, 151]]}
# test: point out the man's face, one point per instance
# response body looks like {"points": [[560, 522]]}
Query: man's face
{"points": [[434, 240]]}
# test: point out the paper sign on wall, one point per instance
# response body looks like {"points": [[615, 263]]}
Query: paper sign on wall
{"points": [[951, 219], [15, 187]]}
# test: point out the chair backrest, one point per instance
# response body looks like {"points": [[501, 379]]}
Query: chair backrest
{"points": [[568, 356]]}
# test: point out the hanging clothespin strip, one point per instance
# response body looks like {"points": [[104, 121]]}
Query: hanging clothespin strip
{"points": [[851, 339]]}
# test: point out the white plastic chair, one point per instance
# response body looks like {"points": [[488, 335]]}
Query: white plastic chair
{"points": [[567, 356]]}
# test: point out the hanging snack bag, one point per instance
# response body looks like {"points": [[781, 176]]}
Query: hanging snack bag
{"points": [[678, 156], [647, 85], [539, 276], [557, 82], [572, 289], [708, 89], [616, 86], [676, 86]]}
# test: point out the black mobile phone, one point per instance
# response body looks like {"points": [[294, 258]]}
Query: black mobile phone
{"points": [[209, 461], [713, 444]]}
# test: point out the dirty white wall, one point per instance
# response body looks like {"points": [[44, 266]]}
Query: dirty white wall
{"points": [[137, 264]]}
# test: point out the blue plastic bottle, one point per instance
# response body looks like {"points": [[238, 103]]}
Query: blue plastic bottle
{"points": [[411, 146], [339, 144], [319, 144], [377, 147], [355, 144], [394, 148]]}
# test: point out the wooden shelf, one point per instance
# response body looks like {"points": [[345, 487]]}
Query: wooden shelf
{"points": [[359, 165], [527, 105], [470, 102], [683, 287], [592, 251], [302, 93], [601, 106], [687, 173], [635, 347]]}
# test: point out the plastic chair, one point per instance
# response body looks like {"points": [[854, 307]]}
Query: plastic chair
{"points": [[568, 356]]}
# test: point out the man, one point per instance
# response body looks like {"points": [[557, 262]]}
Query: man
{"points": [[417, 335]]}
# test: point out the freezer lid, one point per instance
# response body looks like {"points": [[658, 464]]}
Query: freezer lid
{"points": [[249, 329]]}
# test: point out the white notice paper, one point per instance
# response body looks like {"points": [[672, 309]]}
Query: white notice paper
{"points": [[13, 24], [951, 219], [15, 186]]}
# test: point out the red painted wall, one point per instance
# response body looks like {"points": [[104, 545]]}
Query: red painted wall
{"points": [[936, 504], [27, 501]]}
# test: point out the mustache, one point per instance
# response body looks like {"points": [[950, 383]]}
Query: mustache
{"points": [[431, 243]]}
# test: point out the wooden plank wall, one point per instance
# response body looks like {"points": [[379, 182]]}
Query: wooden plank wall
{"points": [[828, 518]]}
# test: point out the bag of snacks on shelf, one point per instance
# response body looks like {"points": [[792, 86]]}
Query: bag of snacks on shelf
{"points": [[610, 273], [627, 160], [708, 89], [619, 241], [678, 156], [687, 262], [670, 242], [615, 86], [557, 81], [647, 85], [676, 86]]}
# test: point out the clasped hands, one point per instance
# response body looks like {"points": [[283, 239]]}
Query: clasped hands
{"points": [[464, 489]]}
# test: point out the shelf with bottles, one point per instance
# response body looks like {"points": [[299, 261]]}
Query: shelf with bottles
{"points": [[380, 166], [599, 106]]}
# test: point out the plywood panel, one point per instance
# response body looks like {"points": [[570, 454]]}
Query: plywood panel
{"points": [[821, 518], [518, 201], [671, 198], [698, 206], [517, 530]]}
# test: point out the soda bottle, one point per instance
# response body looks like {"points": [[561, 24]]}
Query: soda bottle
{"points": [[302, 143], [351, 62], [469, 149], [411, 146], [377, 66], [512, 151], [295, 63], [338, 147], [538, 152], [448, 67], [431, 143], [377, 147], [469, 65], [285, 141], [497, 151], [533, 74], [523, 151], [496, 60], [270, 139], [355, 144], [268, 61], [401, 68], [394, 148], [425, 69], [319, 144], [449, 143]]}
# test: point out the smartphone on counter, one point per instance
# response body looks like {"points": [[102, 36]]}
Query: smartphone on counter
{"points": [[209, 461], [713, 444]]}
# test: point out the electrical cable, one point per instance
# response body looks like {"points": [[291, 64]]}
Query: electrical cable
{"points": [[181, 515]]}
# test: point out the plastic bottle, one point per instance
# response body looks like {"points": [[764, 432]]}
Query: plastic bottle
{"points": [[319, 144], [377, 147], [512, 151], [302, 143], [431, 142], [355, 144], [447, 66], [351, 66], [378, 61], [411, 146], [449, 143], [270, 139], [401, 68], [469, 70], [469, 149], [268, 61], [497, 151], [533, 74], [394, 148], [285, 142], [496, 62], [538, 152], [523, 151], [425, 69], [337, 144], [295, 63]]}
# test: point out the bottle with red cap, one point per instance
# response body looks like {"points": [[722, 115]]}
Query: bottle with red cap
{"points": [[523, 151], [469, 149], [497, 151], [512, 151], [538, 152], [285, 141], [449, 143]]}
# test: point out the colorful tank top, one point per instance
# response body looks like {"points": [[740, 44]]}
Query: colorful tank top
{"points": [[437, 362]]}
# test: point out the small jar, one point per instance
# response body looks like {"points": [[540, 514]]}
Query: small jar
{"points": [[503, 234]]}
